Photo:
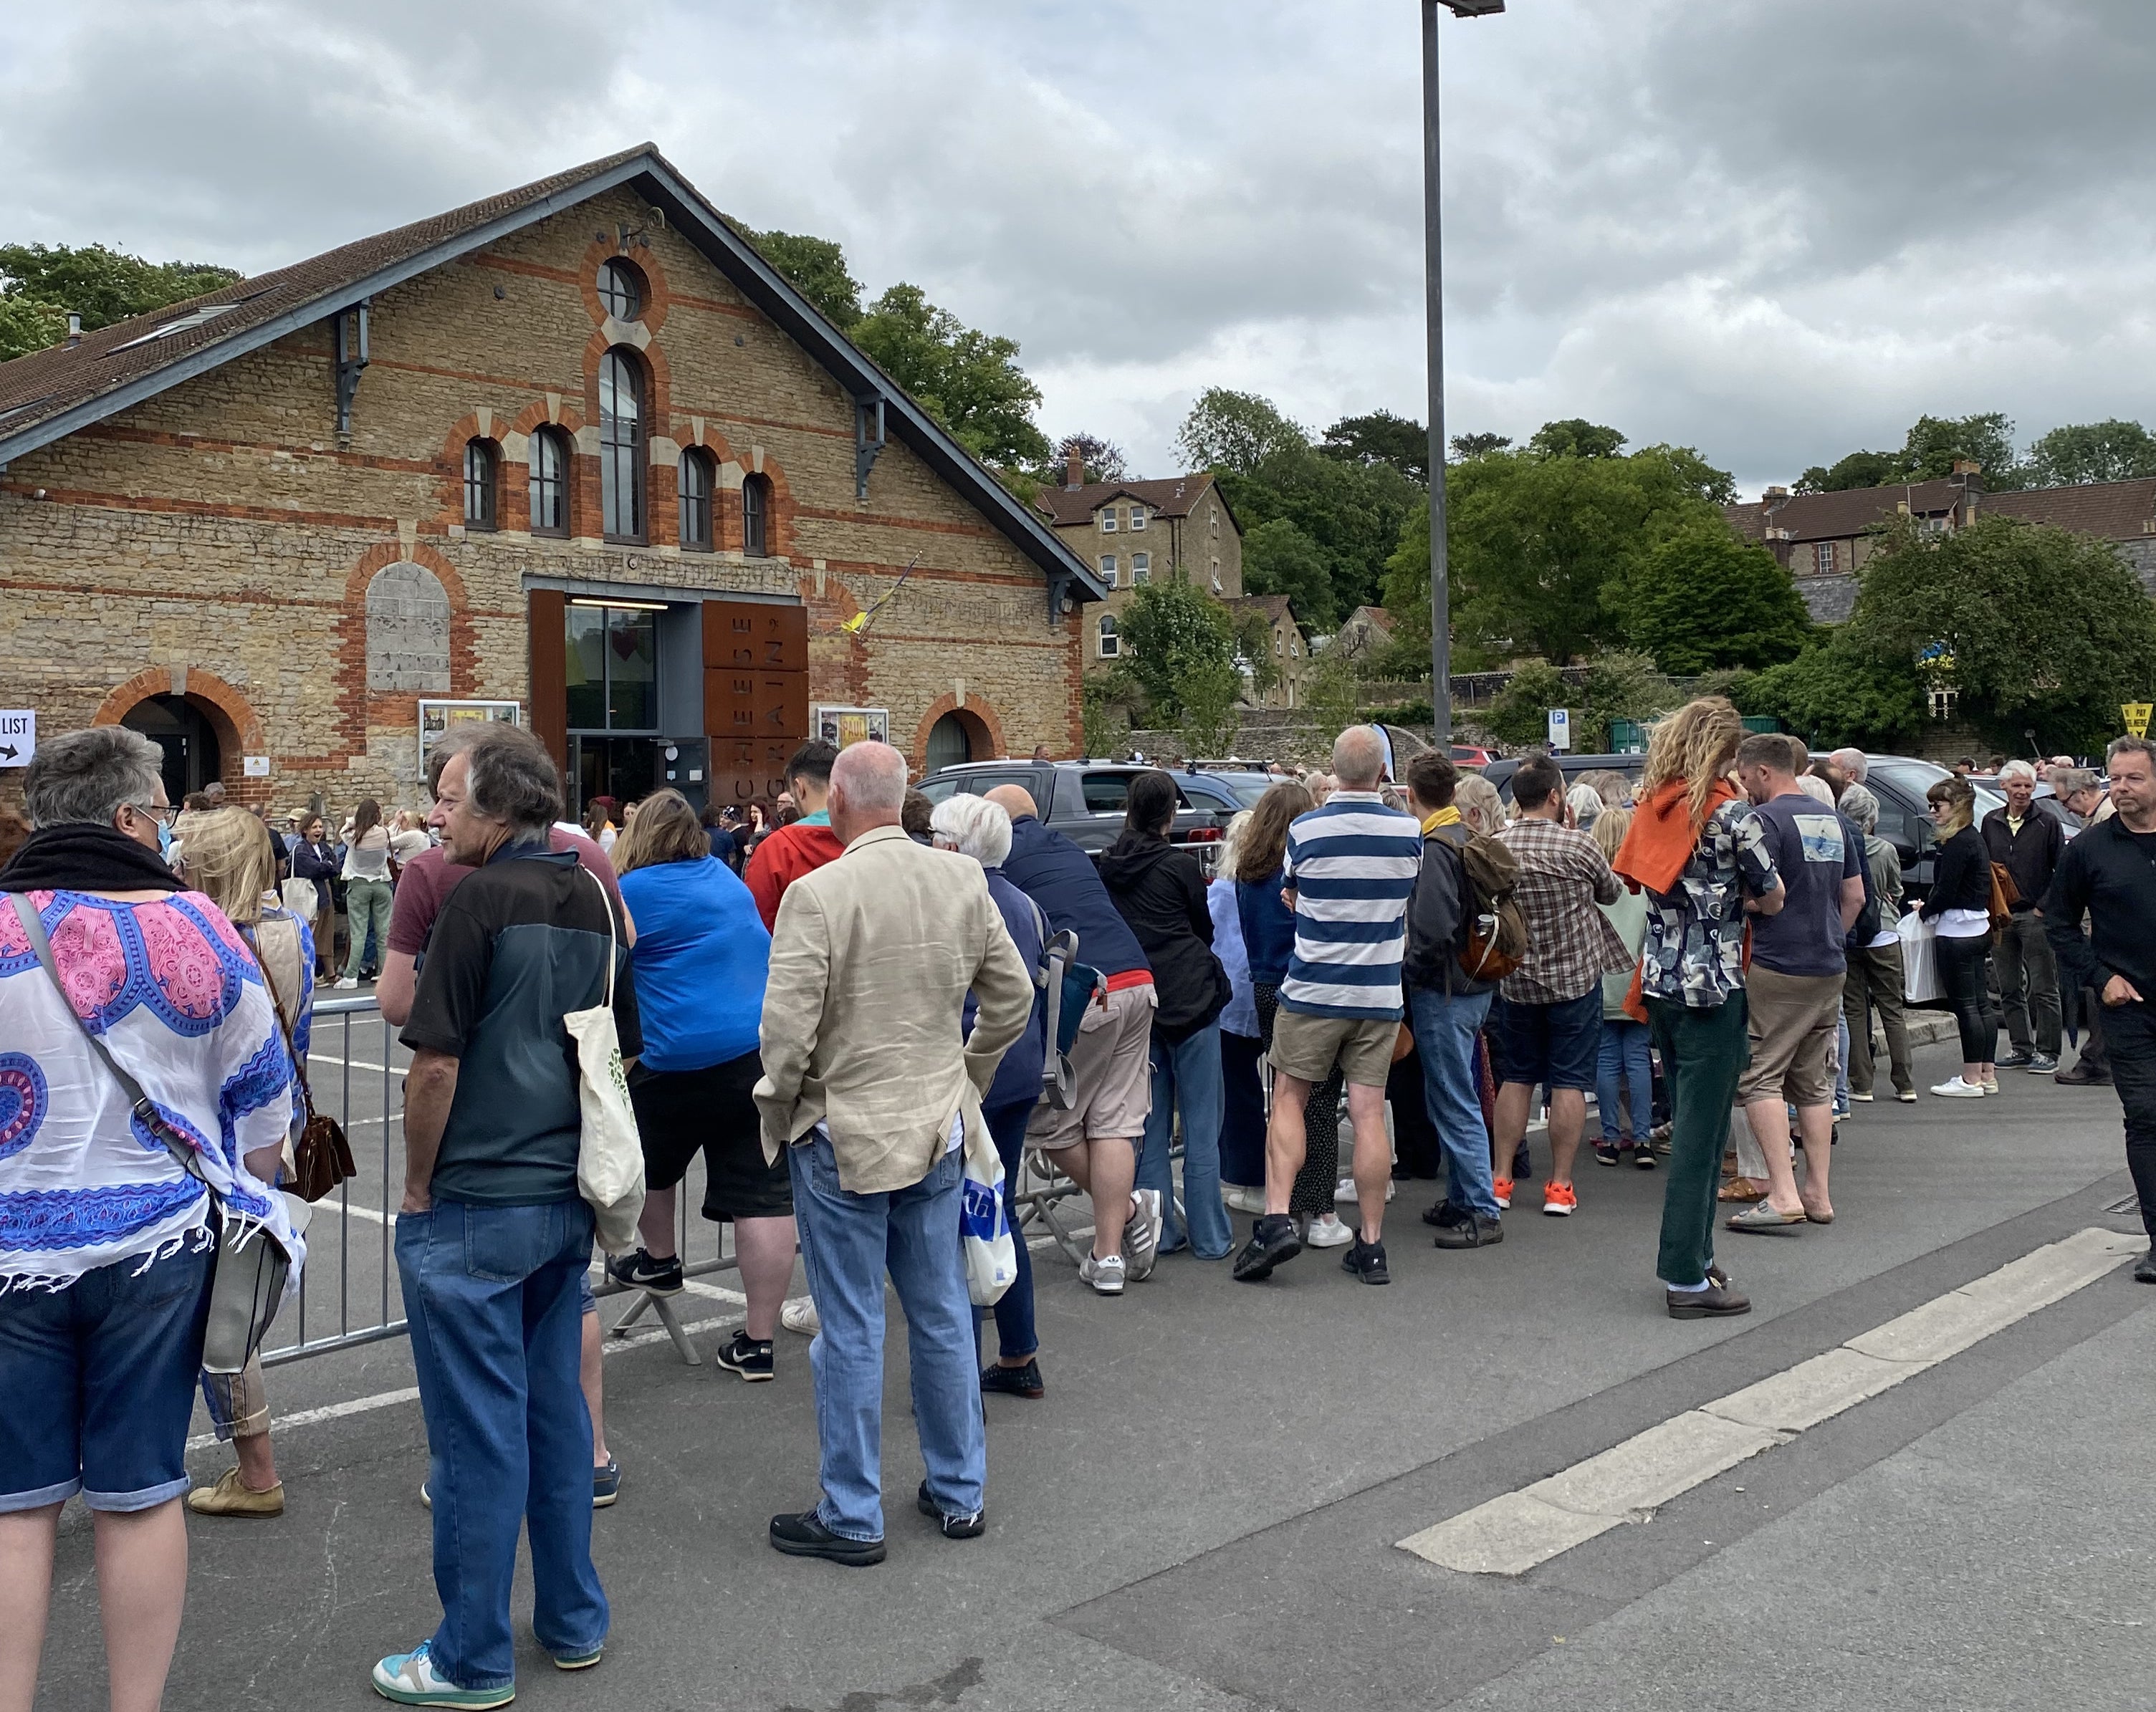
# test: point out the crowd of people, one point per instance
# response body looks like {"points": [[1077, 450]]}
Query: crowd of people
{"points": [[843, 1007]]}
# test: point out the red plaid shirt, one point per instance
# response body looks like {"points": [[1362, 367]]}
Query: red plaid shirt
{"points": [[1570, 942]]}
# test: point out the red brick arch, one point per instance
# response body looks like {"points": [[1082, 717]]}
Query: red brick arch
{"points": [[658, 296], [355, 709], [984, 728], [778, 522], [232, 716]]}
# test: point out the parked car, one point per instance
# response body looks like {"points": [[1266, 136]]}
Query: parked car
{"points": [[1500, 772], [1467, 754], [1085, 800]]}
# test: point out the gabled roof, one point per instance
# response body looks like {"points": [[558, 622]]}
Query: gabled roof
{"points": [[1171, 496], [1848, 512], [52, 393], [2122, 510], [1376, 617], [1274, 606]]}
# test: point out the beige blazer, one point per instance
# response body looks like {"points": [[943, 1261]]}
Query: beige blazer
{"points": [[871, 959]]}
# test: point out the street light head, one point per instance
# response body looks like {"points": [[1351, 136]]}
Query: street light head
{"points": [[1474, 8]]}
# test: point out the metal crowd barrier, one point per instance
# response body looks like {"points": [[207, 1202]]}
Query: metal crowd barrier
{"points": [[348, 1292]]}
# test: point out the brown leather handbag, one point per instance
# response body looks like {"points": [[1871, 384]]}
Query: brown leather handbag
{"points": [[321, 1158]]}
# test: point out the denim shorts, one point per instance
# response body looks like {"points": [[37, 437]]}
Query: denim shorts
{"points": [[1556, 1045], [99, 1380]]}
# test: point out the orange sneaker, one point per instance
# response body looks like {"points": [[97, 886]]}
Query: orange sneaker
{"points": [[1558, 1200], [1502, 1187]]}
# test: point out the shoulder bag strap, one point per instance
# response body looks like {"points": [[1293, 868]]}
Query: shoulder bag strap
{"points": [[613, 940], [139, 1102], [284, 1023]]}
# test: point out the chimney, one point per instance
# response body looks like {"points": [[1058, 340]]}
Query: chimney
{"points": [[74, 328], [1074, 468], [1969, 476]]}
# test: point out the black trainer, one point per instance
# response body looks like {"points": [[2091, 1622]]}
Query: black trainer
{"points": [[1272, 1240], [953, 1527], [640, 1272], [1471, 1232], [1366, 1261], [2017, 1059], [1643, 1157], [1606, 1152], [2144, 1269], [748, 1356], [1014, 1381], [804, 1536], [1444, 1213]]}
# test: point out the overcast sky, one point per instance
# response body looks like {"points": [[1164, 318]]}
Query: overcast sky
{"points": [[1775, 231]]}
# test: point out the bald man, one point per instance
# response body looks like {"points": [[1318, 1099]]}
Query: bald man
{"points": [[1096, 1140], [872, 1090]]}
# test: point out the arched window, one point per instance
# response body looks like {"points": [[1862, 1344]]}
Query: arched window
{"points": [[550, 482], [621, 291], [621, 446], [482, 479], [756, 516], [1111, 644], [695, 489]]}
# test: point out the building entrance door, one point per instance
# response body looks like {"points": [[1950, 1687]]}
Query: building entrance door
{"points": [[192, 757], [623, 768]]}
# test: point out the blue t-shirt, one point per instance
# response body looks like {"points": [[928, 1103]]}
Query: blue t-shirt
{"points": [[1814, 855], [701, 958]]}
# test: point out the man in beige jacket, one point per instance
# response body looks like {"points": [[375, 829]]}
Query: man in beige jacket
{"points": [[874, 1090]]}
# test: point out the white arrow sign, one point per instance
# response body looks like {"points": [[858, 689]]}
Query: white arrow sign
{"points": [[19, 735]]}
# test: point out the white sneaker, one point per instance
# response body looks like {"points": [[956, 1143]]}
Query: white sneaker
{"points": [[1141, 1236], [346, 983], [800, 1315], [1954, 1088], [1326, 1232], [1238, 1199], [1105, 1276], [1345, 1195]]}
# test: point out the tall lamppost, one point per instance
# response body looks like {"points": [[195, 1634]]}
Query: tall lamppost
{"points": [[1440, 619]]}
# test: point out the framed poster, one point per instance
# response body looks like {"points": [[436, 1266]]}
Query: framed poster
{"points": [[844, 725], [436, 717]]}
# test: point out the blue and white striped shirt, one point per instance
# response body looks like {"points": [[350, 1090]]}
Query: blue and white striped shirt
{"points": [[1353, 865]]}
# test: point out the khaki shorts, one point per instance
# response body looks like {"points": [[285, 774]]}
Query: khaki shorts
{"points": [[1110, 1075], [1793, 1020], [1307, 1047]]}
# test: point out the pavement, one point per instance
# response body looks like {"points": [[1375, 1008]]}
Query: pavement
{"points": [[1205, 1512]]}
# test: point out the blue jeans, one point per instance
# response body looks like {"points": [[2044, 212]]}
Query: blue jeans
{"points": [[1242, 1111], [1841, 1071], [1014, 1332], [1188, 1075], [847, 1243], [495, 1297], [1444, 1031], [1624, 1055]]}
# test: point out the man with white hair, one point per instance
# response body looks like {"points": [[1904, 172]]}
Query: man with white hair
{"points": [[1349, 870], [1854, 764], [2028, 843], [872, 1088]]}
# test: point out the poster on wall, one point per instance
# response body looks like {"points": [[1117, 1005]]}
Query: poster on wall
{"points": [[845, 725], [436, 717]]}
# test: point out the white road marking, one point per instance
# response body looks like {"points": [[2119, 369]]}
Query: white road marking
{"points": [[1510, 1534]]}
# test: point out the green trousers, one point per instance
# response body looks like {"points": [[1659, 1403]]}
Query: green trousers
{"points": [[1703, 1053]]}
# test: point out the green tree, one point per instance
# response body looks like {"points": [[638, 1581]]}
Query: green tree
{"points": [[1702, 598], [1859, 469], [1106, 706], [1278, 558], [1098, 459], [1466, 446], [1172, 632], [2038, 627], [1519, 713], [1208, 695], [1717, 486], [1936, 443], [1331, 694], [969, 380], [816, 268], [40, 283], [2091, 451], [1836, 693], [1380, 437], [1234, 431], [1254, 643], [1576, 437], [1353, 512]]}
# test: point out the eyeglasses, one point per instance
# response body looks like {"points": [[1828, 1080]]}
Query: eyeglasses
{"points": [[165, 816]]}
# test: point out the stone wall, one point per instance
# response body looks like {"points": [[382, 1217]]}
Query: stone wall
{"points": [[305, 591]]}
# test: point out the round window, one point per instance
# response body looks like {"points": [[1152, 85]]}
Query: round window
{"points": [[621, 292]]}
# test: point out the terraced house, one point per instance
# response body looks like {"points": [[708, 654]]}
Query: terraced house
{"points": [[575, 455]]}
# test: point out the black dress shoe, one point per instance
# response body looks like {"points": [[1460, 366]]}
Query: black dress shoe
{"points": [[2082, 1075], [1718, 1301], [2144, 1269], [1272, 1240], [805, 1536], [1472, 1232], [953, 1527]]}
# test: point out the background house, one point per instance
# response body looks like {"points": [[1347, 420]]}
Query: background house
{"points": [[1291, 647]]}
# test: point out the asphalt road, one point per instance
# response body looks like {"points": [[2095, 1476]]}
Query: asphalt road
{"points": [[1202, 1512]]}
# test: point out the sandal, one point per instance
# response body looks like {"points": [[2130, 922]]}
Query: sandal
{"points": [[1742, 1189]]}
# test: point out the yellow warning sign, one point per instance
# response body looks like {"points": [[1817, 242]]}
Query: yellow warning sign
{"points": [[2136, 717]]}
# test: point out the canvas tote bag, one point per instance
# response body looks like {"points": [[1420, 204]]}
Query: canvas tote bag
{"points": [[609, 1155]]}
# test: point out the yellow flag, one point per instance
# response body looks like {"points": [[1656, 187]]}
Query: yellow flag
{"points": [[855, 622]]}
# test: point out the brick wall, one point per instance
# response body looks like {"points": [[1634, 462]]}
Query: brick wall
{"points": [[220, 538]]}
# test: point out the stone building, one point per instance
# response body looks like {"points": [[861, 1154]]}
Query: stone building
{"points": [[1290, 647], [575, 450], [1131, 533]]}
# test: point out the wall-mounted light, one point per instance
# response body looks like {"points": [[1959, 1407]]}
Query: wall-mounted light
{"points": [[624, 606]]}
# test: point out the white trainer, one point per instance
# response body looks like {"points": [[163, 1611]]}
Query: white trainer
{"points": [[1345, 1195], [1141, 1236], [1954, 1088], [1239, 1199], [1326, 1232], [800, 1315], [1105, 1276]]}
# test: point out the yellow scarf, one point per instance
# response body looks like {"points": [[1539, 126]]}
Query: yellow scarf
{"points": [[1446, 816]]}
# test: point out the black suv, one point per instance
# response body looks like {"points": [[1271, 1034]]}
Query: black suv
{"points": [[1085, 800]]}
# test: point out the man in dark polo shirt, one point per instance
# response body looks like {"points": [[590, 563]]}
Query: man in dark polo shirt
{"points": [[492, 1239]]}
